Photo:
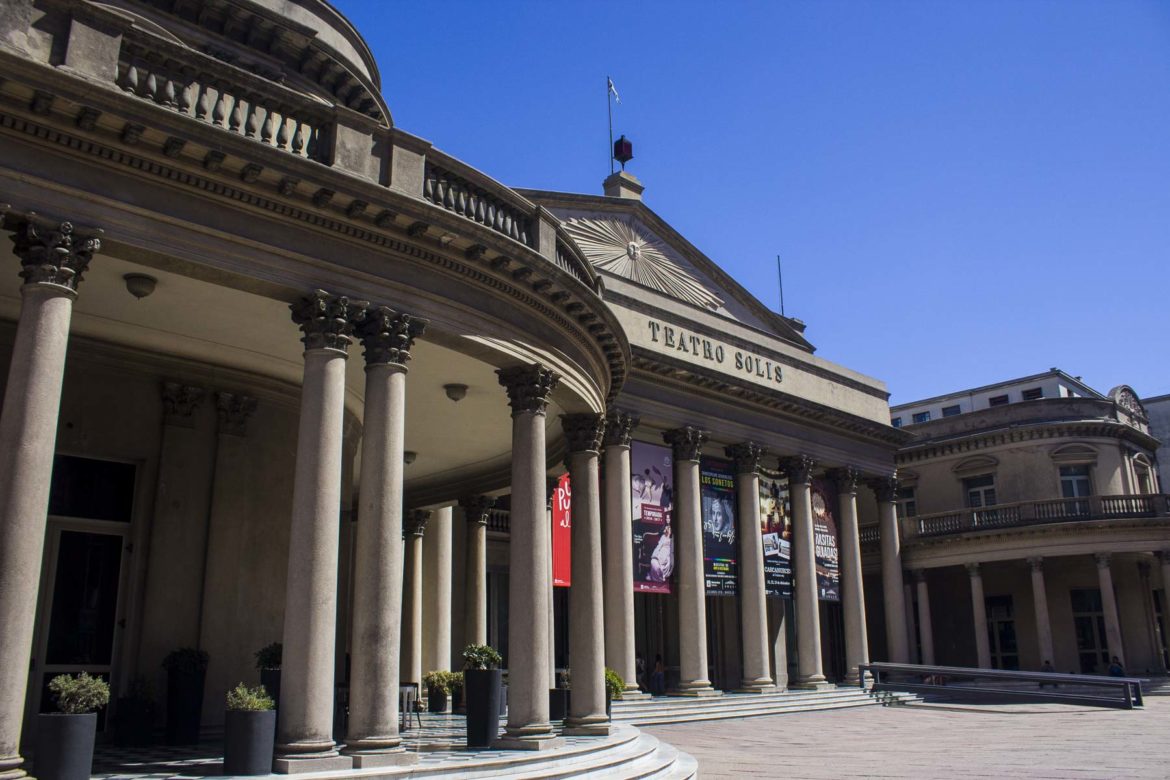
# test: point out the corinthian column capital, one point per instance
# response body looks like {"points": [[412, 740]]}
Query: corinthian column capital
{"points": [[234, 410], [415, 523], [799, 469], [846, 479], [747, 457], [52, 253], [686, 442], [327, 320], [619, 426], [476, 508], [388, 336], [583, 432], [180, 402], [529, 387], [885, 488]]}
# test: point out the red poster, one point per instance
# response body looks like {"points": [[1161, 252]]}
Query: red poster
{"points": [[562, 525]]}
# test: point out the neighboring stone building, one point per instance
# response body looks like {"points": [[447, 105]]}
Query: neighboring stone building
{"points": [[1033, 527], [1158, 408], [228, 180]]}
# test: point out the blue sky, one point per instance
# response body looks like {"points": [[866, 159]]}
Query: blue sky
{"points": [[962, 192]]}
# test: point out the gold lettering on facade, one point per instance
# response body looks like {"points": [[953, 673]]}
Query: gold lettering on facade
{"points": [[713, 352]]}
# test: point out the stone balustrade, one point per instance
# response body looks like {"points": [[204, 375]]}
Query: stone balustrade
{"points": [[499, 521], [1024, 513], [489, 206]]}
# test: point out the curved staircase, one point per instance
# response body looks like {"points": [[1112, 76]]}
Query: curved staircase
{"points": [[682, 709]]}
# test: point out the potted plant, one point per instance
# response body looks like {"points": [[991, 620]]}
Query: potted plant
{"points": [[134, 716], [186, 672], [481, 691], [558, 697], [268, 659], [457, 692], [438, 685], [614, 685], [249, 731], [64, 742]]}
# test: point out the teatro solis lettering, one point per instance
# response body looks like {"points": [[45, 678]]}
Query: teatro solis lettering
{"points": [[681, 341]]}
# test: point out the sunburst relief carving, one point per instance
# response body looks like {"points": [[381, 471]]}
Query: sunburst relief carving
{"points": [[618, 247]]}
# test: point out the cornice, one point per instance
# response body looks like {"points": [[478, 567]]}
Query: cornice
{"points": [[1087, 429]]}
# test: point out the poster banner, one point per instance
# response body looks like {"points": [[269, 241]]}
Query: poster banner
{"points": [[776, 532], [562, 532], [824, 512], [652, 495], [717, 494]]}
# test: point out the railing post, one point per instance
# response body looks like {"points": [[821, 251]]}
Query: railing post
{"points": [[408, 155]]}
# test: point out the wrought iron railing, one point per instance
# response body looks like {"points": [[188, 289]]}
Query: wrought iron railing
{"points": [[1023, 513]]}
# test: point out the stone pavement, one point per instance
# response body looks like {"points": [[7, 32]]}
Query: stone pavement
{"points": [[924, 741]]}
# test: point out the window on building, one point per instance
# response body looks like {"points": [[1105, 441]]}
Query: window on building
{"points": [[980, 491], [1089, 626], [1033, 393], [1074, 481], [921, 417], [896, 422], [1001, 632], [905, 503], [997, 400], [951, 411], [1145, 484]]}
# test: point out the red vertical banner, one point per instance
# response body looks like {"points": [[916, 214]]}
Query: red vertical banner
{"points": [[562, 531]]}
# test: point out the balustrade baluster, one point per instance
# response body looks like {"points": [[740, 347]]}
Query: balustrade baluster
{"points": [[236, 118], [168, 93], [314, 140], [429, 189], [183, 103], [282, 136], [252, 124], [151, 86], [219, 113], [266, 126], [298, 141]]}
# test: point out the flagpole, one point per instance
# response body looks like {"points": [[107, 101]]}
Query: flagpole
{"points": [[609, 110], [780, 277]]}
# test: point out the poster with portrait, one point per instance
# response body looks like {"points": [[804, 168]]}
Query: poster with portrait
{"points": [[652, 496], [776, 534], [824, 512], [717, 497], [562, 533]]}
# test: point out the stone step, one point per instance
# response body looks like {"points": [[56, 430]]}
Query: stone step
{"points": [[670, 717], [732, 699], [738, 704]]}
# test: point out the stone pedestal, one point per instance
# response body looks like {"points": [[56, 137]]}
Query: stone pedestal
{"points": [[852, 584], [53, 259], [372, 738], [305, 728], [804, 565], [686, 444], [528, 726], [587, 716], [757, 676]]}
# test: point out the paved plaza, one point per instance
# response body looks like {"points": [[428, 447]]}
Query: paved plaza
{"points": [[1016, 741]]}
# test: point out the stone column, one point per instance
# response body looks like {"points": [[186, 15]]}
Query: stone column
{"points": [[587, 716], [53, 259], [436, 608], [1040, 600], [305, 729], [925, 631], [412, 584], [979, 619], [529, 570], [1164, 561], [688, 545], [779, 608], [1109, 607], [550, 493], [897, 627], [852, 585], [804, 571], [620, 652], [372, 736], [911, 635], [475, 511], [753, 604]]}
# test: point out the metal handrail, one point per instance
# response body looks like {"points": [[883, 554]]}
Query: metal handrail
{"points": [[934, 679]]}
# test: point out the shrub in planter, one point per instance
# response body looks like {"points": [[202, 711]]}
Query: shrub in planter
{"points": [[457, 691], [438, 685], [134, 717], [614, 685], [64, 742], [481, 691], [249, 731], [268, 660], [186, 672]]}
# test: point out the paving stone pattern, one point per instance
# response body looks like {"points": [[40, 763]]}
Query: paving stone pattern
{"points": [[922, 741]]}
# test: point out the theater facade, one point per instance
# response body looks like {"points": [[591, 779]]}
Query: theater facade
{"points": [[280, 371]]}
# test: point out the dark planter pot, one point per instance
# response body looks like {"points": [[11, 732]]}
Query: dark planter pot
{"points": [[436, 700], [503, 699], [457, 700], [184, 706], [134, 723], [482, 687], [248, 742], [64, 746], [270, 679], [558, 703], [608, 704]]}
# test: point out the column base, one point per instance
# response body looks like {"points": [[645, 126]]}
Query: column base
{"points": [[818, 683], [756, 686], [288, 765], [634, 695], [543, 742], [700, 688], [10, 767], [397, 757], [588, 726]]}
